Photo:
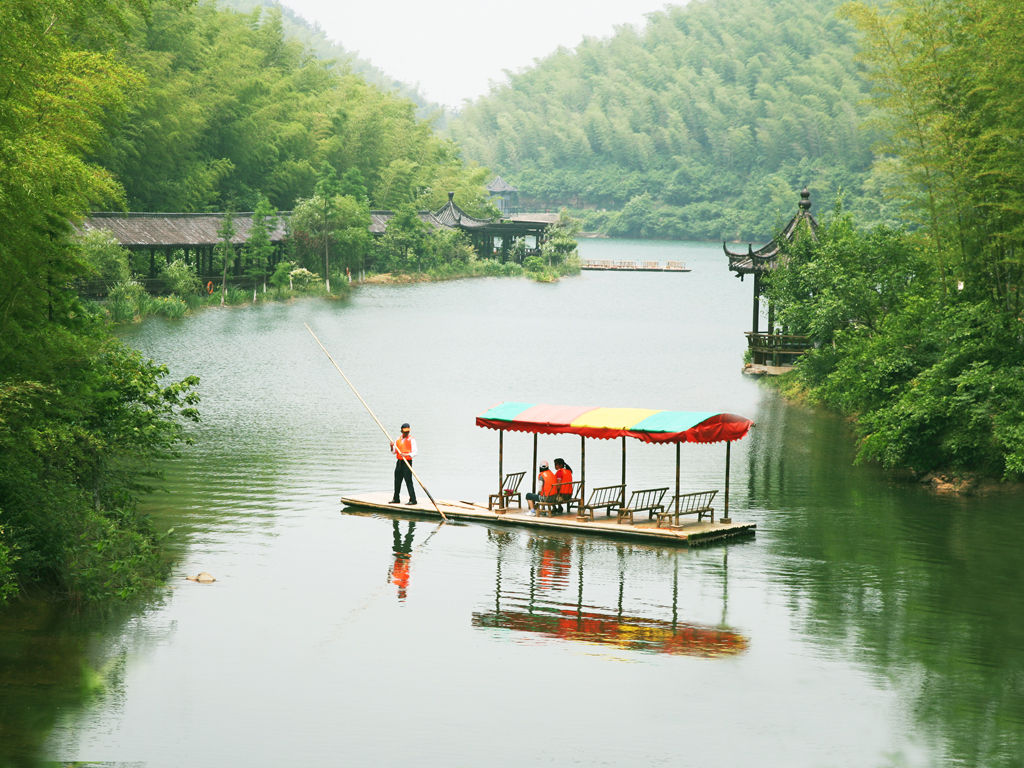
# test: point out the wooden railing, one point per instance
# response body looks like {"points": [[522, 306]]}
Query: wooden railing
{"points": [[776, 348]]}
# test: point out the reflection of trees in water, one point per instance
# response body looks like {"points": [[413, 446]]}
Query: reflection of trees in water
{"points": [[537, 597], [929, 591], [49, 669], [234, 488]]}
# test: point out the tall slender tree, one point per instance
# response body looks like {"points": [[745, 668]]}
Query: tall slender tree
{"points": [[225, 249]]}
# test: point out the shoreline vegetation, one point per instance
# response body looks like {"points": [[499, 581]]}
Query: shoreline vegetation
{"points": [[145, 305], [917, 332], [129, 302], [942, 481]]}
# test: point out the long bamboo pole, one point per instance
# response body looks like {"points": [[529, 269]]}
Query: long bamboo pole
{"points": [[370, 411]]}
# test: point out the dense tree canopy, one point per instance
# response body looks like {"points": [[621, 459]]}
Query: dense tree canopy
{"points": [[80, 415], [700, 125], [314, 39], [231, 109], [921, 337]]}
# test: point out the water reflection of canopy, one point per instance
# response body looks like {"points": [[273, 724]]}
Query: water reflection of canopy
{"points": [[632, 633], [607, 423]]}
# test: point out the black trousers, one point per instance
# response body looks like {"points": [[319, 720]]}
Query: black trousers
{"points": [[403, 471]]}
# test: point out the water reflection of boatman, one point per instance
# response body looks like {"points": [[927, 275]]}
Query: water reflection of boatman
{"points": [[402, 550], [404, 449], [547, 487]]}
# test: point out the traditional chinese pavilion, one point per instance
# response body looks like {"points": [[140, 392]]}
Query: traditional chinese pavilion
{"points": [[772, 347], [504, 196]]}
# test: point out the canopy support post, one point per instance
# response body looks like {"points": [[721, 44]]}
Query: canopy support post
{"points": [[725, 512], [623, 503], [534, 473], [501, 456], [677, 483], [583, 476]]}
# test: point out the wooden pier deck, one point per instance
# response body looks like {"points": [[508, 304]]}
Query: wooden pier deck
{"points": [[688, 533], [633, 266]]}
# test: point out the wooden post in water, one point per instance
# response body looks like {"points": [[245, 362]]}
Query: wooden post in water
{"points": [[725, 512]]}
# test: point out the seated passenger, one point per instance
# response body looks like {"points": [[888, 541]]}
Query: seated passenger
{"points": [[563, 482], [547, 487]]}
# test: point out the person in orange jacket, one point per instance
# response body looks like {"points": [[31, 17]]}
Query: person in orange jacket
{"points": [[547, 487], [563, 481], [404, 449]]}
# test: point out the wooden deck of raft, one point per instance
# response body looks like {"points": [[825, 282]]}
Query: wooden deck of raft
{"points": [[686, 533]]}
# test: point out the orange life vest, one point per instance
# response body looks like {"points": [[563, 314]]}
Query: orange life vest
{"points": [[563, 479], [547, 478], [403, 448]]}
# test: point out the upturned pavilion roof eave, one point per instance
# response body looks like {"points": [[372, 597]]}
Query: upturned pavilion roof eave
{"points": [[450, 215], [765, 258]]}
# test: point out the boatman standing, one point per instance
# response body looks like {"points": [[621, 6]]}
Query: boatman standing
{"points": [[404, 449]]}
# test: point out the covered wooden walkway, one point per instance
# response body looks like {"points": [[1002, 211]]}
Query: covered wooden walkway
{"points": [[195, 235]]}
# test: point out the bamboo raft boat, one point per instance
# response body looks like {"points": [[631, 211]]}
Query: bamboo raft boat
{"points": [[688, 534], [608, 510]]}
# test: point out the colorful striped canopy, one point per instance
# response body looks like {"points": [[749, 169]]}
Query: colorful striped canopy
{"points": [[606, 423]]}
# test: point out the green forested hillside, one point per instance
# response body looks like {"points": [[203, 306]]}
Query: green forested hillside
{"points": [[702, 125], [228, 109], [312, 37]]}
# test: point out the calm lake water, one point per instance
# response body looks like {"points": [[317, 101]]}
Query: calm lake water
{"points": [[868, 623]]}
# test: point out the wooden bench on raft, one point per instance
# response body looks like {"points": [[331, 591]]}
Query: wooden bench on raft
{"points": [[564, 500], [509, 491], [696, 503], [605, 497], [648, 500]]}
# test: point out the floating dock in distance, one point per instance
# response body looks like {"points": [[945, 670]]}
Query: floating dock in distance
{"points": [[757, 369], [633, 266], [687, 534]]}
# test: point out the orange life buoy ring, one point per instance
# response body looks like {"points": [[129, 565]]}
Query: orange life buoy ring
{"points": [[209, 286]]}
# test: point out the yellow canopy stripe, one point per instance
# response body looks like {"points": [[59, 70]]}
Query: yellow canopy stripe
{"points": [[613, 418]]}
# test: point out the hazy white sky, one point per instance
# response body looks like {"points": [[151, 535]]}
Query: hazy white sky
{"points": [[453, 49]]}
